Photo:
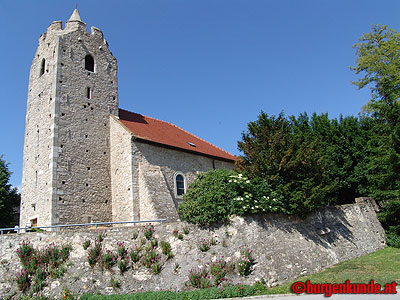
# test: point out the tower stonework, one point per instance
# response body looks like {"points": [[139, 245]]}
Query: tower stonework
{"points": [[72, 92]]}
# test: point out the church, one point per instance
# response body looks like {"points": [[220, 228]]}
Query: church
{"points": [[85, 159]]}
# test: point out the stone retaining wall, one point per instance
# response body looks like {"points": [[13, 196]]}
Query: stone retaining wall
{"points": [[283, 248]]}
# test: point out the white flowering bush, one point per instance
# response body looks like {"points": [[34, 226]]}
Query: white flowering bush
{"points": [[216, 195], [254, 196]]}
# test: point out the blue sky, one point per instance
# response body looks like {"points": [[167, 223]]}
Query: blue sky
{"points": [[208, 66]]}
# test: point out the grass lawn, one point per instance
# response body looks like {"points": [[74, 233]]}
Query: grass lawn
{"points": [[382, 266]]}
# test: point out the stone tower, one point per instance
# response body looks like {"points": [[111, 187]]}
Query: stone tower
{"points": [[72, 92]]}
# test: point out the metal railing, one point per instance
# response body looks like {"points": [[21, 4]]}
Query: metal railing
{"points": [[18, 229]]}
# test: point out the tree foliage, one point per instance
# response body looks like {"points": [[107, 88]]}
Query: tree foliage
{"points": [[309, 162], [390, 219], [378, 61], [9, 197], [312, 162]]}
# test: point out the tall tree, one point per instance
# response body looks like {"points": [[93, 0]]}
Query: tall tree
{"points": [[9, 197], [284, 152], [312, 162], [378, 61]]}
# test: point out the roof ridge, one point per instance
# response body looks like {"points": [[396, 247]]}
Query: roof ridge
{"points": [[184, 131]]}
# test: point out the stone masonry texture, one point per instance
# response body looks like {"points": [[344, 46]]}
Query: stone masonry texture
{"points": [[80, 163], [66, 172], [143, 176], [284, 248]]}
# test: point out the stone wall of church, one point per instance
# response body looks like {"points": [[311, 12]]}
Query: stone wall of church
{"points": [[155, 197], [143, 176], [170, 162], [121, 171], [151, 187]]}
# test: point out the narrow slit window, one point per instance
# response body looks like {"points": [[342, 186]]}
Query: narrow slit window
{"points": [[42, 67], [180, 185], [88, 93], [89, 63]]}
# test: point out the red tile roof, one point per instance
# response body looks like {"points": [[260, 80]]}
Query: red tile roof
{"points": [[154, 131]]}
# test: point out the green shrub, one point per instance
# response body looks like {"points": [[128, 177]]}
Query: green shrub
{"points": [[165, 247], [109, 260], [170, 255], [65, 251], [113, 283], [393, 240], [55, 255], [122, 265], [260, 286], [204, 245], [38, 264], [23, 280], [37, 286], [100, 236], [41, 274], [135, 255], [28, 257], [389, 216], [121, 250], [208, 198], [148, 231], [186, 230], [58, 272], [245, 262], [154, 243], [216, 195], [218, 270], [94, 253], [156, 268], [68, 295], [198, 278], [150, 257], [86, 245]]}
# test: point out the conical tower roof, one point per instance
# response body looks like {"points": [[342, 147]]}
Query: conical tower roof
{"points": [[75, 16], [75, 22]]}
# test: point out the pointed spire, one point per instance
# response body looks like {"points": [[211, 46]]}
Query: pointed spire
{"points": [[75, 16], [75, 22]]}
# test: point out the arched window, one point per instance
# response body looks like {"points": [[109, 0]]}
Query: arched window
{"points": [[179, 185], [89, 63], [42, 67]]}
